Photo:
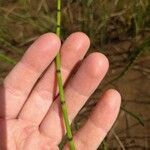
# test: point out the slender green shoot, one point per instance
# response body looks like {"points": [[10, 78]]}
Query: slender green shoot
{"points": [[60, 85]]}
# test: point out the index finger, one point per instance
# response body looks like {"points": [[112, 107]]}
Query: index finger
{"points": [[20, 81]]}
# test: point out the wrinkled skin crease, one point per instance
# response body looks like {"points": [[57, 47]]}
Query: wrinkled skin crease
{"points": [[22, 135]]}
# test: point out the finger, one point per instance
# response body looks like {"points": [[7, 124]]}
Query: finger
{"points": [[72, 51], [101, 120], [77, 91], [22, 78]]}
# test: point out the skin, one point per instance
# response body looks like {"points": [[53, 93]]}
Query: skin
{"points": [[30, 110]]}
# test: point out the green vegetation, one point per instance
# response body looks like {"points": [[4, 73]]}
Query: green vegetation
{"points": [[107, 23]]}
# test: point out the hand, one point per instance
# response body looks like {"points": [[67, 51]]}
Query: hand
{"points": [[30, 112]]}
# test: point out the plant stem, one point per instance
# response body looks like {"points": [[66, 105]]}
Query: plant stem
{"points": [[60, 84]]}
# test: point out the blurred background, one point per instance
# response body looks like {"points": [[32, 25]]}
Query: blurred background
{"points": [[118, 28]]}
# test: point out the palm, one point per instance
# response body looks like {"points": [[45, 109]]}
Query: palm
{"points": [[23, 135], [30, 110]]}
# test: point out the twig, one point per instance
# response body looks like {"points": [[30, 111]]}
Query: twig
{"points": [[118, 140]]}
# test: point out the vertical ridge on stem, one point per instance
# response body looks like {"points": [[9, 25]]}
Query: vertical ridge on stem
{"points": [[60, 84]]}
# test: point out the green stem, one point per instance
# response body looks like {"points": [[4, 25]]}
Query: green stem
{"points": [[60, 84]]}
